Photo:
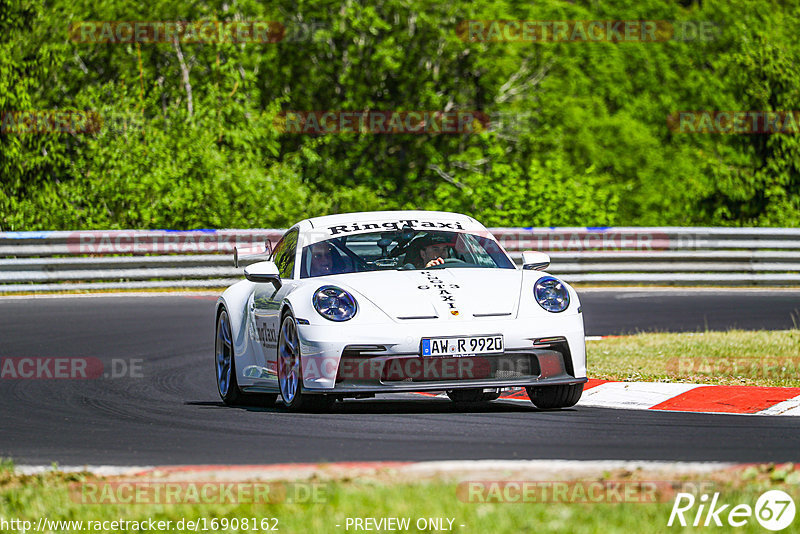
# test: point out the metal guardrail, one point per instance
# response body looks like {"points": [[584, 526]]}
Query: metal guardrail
{"points": [[91, 260]]}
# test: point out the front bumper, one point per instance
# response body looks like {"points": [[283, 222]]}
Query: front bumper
{"points": [[362, 359]]}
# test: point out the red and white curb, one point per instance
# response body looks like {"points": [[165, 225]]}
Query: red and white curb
{"points": [[678, 397]]}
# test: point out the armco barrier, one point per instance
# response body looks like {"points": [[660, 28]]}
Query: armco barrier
{"points": [[116, 259]]}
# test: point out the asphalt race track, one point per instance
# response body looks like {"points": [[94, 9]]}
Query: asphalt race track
{"points": [[171, 414], [688, 310]]}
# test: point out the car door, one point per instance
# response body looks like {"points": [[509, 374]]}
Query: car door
{"points": [[266, 305]]}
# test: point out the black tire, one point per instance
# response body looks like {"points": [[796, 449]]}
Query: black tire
{"points": [[225, 363], [472, 395], [232, 395], [552, 397], [294, 397]]}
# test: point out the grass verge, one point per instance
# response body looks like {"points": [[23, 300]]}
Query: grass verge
{"points": [[736, 357], [51, 495]]}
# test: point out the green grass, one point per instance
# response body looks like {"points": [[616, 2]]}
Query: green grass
{"points": [[29, 497], [736, 357]]}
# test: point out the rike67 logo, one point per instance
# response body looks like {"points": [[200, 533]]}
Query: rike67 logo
{"points": [[774, 510]]}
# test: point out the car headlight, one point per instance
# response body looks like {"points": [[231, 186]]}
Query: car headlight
{"points": [[334, 303], [551, 294]]}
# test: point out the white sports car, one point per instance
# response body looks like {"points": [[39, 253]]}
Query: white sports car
{"points": [[399, 301]]}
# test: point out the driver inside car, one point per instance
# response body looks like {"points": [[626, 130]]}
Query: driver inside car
{"points": [[323, 260], [434, 254], [433, 249]]}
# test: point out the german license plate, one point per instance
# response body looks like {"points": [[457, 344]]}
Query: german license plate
{"points": [[462, 346]]}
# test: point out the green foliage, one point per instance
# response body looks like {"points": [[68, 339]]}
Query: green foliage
{"points": [[189, 140]]}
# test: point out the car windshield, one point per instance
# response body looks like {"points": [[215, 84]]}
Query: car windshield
{"points": [[405, 249]]}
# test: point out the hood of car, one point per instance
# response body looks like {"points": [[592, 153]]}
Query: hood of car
{"points": [[446, 294]]}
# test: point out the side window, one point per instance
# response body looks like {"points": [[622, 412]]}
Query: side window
{"points": [[284, 253]]}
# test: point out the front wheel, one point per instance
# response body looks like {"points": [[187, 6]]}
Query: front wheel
{"points": [[550, 397], [225, 366], [290, 372], [225, 363]]}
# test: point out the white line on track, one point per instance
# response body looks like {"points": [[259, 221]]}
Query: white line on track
{"points": [[686, 290], [112, 295], [459, 469]]}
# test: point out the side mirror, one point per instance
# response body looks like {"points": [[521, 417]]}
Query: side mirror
{"points": [[536, 261], [251, 254], [263, 272]]}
